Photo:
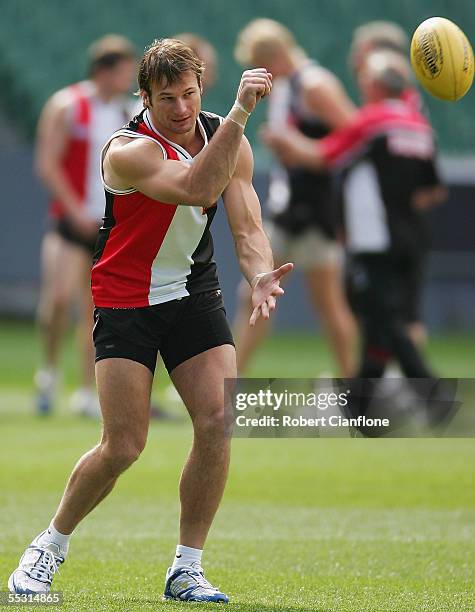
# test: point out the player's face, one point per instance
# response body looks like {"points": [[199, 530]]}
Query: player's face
{"points": [[175, 107], [272, 63], [276, 61], [120, 78], [359, 55], [369, 90]]}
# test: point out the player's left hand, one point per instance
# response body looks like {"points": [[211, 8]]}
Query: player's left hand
{"points": [[265, 289]]}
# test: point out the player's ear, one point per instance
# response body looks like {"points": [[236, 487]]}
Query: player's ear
{"points": [[145, 98]]}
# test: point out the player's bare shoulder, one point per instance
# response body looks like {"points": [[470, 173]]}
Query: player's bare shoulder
{"points": [[324, 94], [127, 157], [318, 78], [58, 107]]}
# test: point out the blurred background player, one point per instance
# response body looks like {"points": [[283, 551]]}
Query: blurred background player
{"points": [[374, 36], [74, 125], [302, 224], [207, 54], [380, 35], [389, 178]]}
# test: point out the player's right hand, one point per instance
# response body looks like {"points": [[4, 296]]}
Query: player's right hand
{"points": [[255, 84], [265, 290]]}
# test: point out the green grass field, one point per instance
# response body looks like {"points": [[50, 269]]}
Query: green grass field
{"points": [[310, 524]]}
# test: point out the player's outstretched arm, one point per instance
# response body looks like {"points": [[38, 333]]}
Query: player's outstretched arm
{"points": [[326, 98], [252, 245], [292, 148], [139, 164]]}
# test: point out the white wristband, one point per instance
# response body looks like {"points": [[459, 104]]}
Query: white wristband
{"points": [[238, 105], [239, 115], [242, 125]]}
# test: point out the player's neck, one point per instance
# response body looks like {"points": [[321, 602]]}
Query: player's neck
{"points": [[296, 60], [103, 93], [191, 141]]}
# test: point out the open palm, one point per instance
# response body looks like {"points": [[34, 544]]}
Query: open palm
{"points": [[266, 288]]}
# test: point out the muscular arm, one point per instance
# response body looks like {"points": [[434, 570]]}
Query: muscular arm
{"points": [[51, 141], [244, 216], [252, 245], [52, 136], [139, 164], [292, 148], [326, 98]]}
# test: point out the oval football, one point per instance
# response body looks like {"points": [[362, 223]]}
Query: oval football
{"points": [[442, 58]]}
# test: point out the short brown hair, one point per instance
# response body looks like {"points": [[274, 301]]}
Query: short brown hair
{"points": [[108, 51], [167, 58]]}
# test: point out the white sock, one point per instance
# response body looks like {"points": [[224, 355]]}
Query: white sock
{"points": [[52, 535], [186, 556]]}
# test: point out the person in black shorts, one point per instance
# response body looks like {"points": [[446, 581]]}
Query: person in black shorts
{"points": [[387, 35], [74, 124], [386, 158], [301, 221], [68, 233], [155, 288]]}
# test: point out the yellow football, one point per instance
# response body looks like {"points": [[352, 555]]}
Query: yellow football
{"points": [[442, 58]]}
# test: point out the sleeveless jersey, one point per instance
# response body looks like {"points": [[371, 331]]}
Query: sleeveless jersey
{"points": [[91, 122], [149, 252], [298, 197]]}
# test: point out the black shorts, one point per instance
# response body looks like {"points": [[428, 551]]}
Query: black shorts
{"points": [[68, 232], [179, 330], [382, 283]]}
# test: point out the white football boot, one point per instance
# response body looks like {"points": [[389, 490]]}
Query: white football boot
{"points": [[36, 569], [85, 402], [46, 381], [190, 584]]}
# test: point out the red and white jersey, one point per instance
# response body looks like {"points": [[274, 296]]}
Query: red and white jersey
{"points": [[91, 121], [150, 252]]}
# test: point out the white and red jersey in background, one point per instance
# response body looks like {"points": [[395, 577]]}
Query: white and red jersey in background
{"points": [[91, 121]]}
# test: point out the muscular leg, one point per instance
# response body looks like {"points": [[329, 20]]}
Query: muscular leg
{"points": [[124, 391], [200, 382], [86, 321], [54, 296], [325, 287], [63, 271]]}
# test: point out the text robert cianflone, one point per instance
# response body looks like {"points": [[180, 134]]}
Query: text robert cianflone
{"points": [[301, 421]]}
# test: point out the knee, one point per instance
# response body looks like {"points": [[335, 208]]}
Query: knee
{"points": [[214, 424], [118, 456], [60, 302]]}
